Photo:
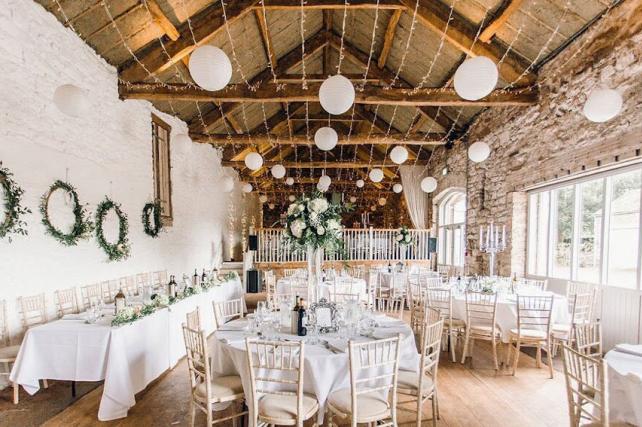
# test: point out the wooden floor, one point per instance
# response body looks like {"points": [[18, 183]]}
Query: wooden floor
{"points": [[468, 397]]}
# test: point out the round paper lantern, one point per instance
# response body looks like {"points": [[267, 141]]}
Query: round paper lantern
{"points": [[399, 154], [291, 198], [182, 138], [478, 152], [382, 201], [247, 187], [278, 171], [376, 175], [227, 183], [326, 138], [360, 183], [325, 181], [475, 78], [373, 208], [263, 198], [602, 105], [397, 188], [253, 161], [336, 94], [271, 206], [353, 199], [210, 67], [71, 100], [428, 184], [289, 181]]}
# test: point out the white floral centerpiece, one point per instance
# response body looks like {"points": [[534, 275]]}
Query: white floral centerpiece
{"points": [[403, 237]]}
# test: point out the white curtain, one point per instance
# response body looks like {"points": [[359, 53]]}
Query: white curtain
{"points": [[416, 199]]}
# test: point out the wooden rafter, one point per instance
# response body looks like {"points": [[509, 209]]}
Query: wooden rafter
{"points": [[332, 4], [320, 164], [161, 20], [265, 35], [389, 37], [497, 22], [355, 139]]}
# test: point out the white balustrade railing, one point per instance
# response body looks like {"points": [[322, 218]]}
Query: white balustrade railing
{"points": [[360, 244]]}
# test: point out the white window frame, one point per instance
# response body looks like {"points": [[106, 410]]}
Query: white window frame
{"points": [[442, 230]]}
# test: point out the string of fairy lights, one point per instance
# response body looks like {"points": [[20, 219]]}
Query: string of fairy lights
{"points": [[395, 80]]}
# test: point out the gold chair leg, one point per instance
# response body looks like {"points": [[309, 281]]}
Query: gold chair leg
{"points": [[517, 347], [495, 354], [15, 392], [509, 349], [435, 410], [549, 358], [465, 351], [538, 356], [193, 413]]}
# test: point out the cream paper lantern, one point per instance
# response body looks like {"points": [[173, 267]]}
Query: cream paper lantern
{"points": [[399, 154], [373, 208], [247, 187], [71, 100], [360, 183], [278, 171], [336, 94], [227, 183], [326, 138], [353, 199], [397, 188], [475, 78], [602, 105], [376, 175], [478, 152], [291, 198], [289, 181], [324, 182], [263, 198], [271, 206], [428, 184], [253, 161], [210, 67], [382, 201]]}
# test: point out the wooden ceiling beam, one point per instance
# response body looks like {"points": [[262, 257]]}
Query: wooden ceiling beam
{"points": [[499, 20], [161, 20], [389, 38], [332, 4], [355, 139], [265, 35], [297, 78], [320, 164]]}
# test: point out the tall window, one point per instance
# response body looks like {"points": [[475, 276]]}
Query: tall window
{"points": [[451, 227], [162, 168], [588, 230]]}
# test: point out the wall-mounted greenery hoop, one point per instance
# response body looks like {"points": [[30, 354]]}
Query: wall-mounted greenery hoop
{"points": [[83, 226], [115, 251], [151, 211], [10, 221]]}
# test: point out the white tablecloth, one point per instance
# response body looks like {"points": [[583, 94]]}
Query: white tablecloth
{"points": [[625, 387], [128, 358], [325, 371], [341, 284], [507, 312]]}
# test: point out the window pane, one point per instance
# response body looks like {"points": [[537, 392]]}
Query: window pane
{"points": [[457, 242], [459, 210], [441, 259], [563, 200], [589, 243], [624, 229], [538, 233], [449, 245]]}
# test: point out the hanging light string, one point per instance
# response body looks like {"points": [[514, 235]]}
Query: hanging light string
{"points": [[343, 32], [407, 48], [304, 83], [268, 45]]}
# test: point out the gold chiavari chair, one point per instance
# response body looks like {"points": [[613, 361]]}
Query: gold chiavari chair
{"points": [[441, 299], [363, 402], [481, 323], [428, 282], [389, 306], [205, 390], [587, 339], [276, 378], [142, 280], [8, 352], [89, 293], [581, 309], [66, 301], [33, 310], [425, 379], [443, 270], [159, 279], [417, 304], [574, 288], [226, 311], [128, 285], [541, 285], [533, 329], [288, 272], [109, 289], [193, 319]]}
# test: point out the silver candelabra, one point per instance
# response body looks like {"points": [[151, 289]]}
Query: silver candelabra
{"points": [[492, 242]]}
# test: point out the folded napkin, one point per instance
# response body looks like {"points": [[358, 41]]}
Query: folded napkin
{"points": [[237, 325], [338, 344], [635, 350], [227, 337]]}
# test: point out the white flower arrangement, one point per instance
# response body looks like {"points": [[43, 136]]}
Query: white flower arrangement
{"points": [[403, 237]]}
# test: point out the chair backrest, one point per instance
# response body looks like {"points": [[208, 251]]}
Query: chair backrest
{"points": [[481, 309], [534, 312], [357, 271], [586, 388], [159, 278], [89, 293], [541, 285], [270, 282], [128, 285], [109, 289], [431, 315], [587, 339], [443, 270], [431, 345], [193, 319], [142, 280], [66, 301], [225, 311], [441, 299], [581, 307], [390, 306], [198, 361], [277, 368], [573, 288], [428, 282], [33, 310], [4, 325], [275, 300], [373, 368]]}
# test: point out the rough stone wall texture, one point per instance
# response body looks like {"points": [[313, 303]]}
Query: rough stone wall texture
{"points": [[552, 139]]}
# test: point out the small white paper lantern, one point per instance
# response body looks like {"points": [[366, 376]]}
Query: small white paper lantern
{"points": [[271, 206], [376, 175], [382, 201], [428, 184], [397, 188], [360, 183], [71, 100], [353, 199], [399, 154], [253, 161], [478, 152], [247, 187], [602, 105], [263, 198], [336, 94], [475, 78], [182, 138], [373, 208], [278, 171], [291, 198], [325, 181], [210, 67], [289, 181], [326, 138], [227, 183]]}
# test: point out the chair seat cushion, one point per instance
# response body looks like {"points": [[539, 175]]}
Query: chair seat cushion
{"points": [[281, 409], [9, 353], [407, 382], [455, 323], [222, 388], [370, 406], [529, 333], [484, 329]]}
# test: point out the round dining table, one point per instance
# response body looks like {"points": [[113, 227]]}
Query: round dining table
{"points": [[326, 367], [625, 384]]}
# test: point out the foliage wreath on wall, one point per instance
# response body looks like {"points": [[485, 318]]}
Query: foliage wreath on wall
{"points": [[10, 222], [152, 210], [83, 226], [121, 249]]}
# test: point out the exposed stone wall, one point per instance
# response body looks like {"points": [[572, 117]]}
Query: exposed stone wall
{"points": [[552, 139]]}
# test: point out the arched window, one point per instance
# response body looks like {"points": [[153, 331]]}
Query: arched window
{"points": [[451, 226]]}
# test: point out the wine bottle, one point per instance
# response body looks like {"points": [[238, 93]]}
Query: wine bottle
{"points": [[203, 277], [301, 321], [195, 278], [119, 301], [171, 287], [294, 319]]}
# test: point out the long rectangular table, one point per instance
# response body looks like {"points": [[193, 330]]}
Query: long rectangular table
{"points": [[127, 358]]}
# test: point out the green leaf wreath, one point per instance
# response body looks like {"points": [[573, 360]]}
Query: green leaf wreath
{"points": [[83, 226], [13, 210], [121, 249], [152, 210]]}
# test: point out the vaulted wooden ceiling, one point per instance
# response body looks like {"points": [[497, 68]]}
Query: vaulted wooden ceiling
{"points": [[400, 54]]}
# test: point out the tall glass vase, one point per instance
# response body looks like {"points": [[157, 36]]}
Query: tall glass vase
{"points": [[315, 263]]}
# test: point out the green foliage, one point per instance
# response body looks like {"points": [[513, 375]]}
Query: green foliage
{"points": [[403, 237], [83, 226], [152, 210], [13, 210], [121, 249]]}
